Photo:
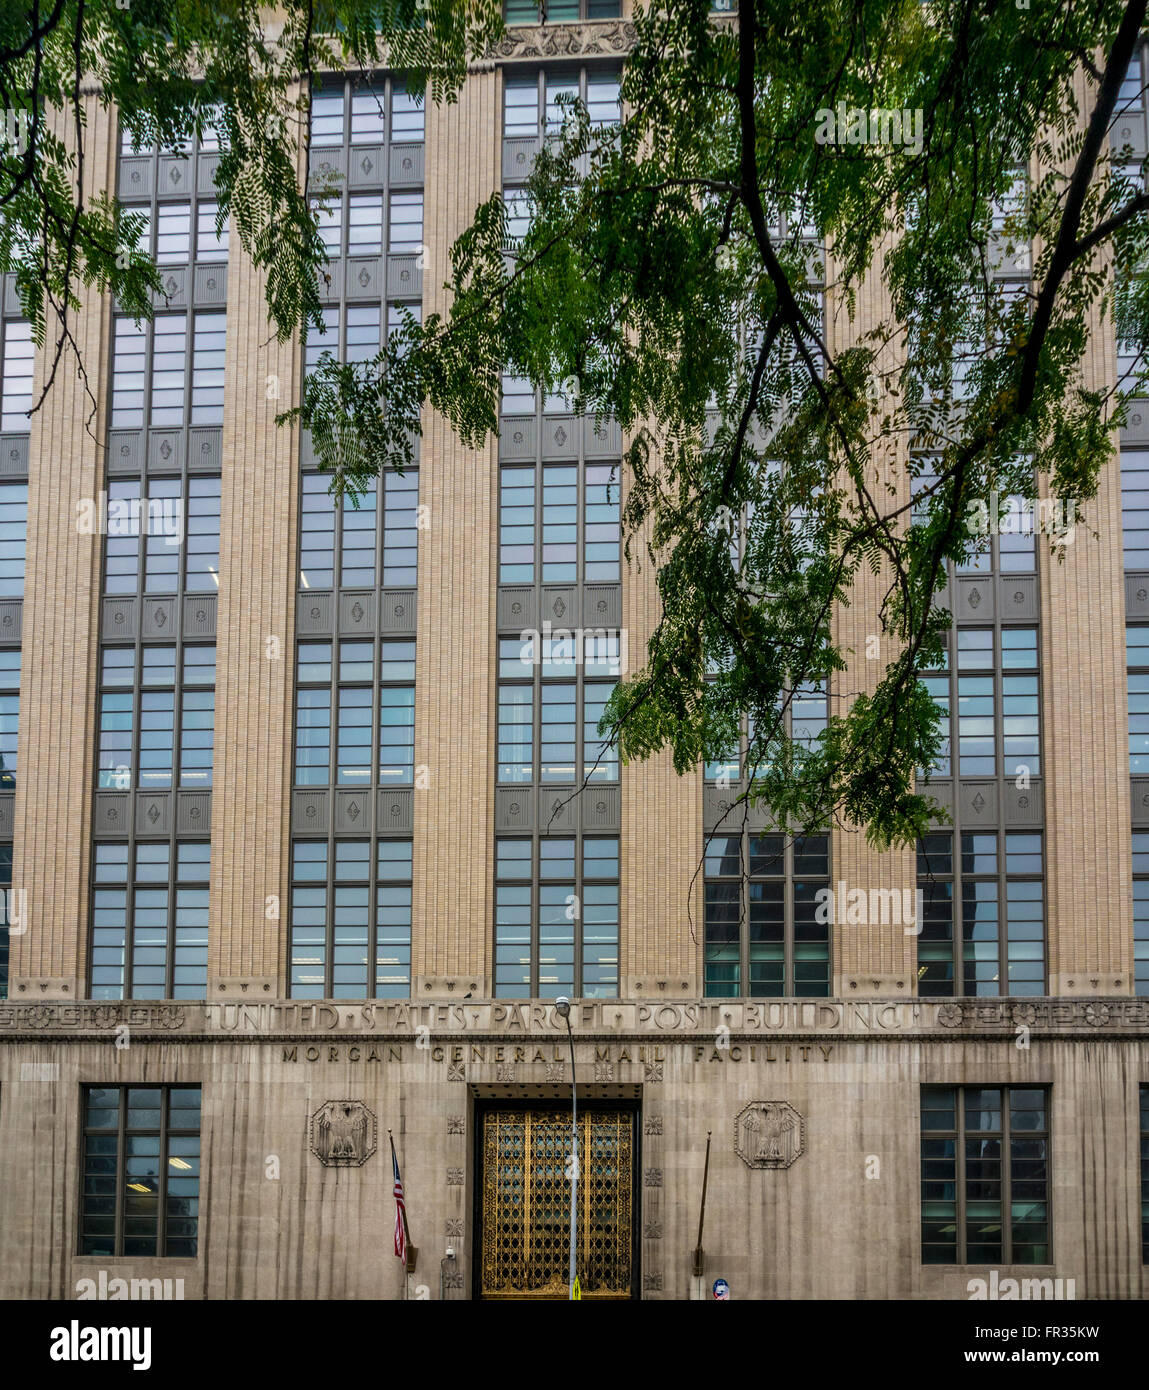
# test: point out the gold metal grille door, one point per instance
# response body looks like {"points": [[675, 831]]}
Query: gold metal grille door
{"points": [[526, 1203]]}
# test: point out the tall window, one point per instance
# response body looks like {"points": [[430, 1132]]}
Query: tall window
{"points": [[5, 912], [179, 216], [556, 917], [352, 547], [1135, 506], [350, 336], [350, 919], [141, 1171], [997, 702], [538, 104], [551, 699], [163, 539], [985, 1175], [559, 523], [364, 224], [1137, 659], [804, 720], [763, 936], [983, 927], [1141, 912], [354, 113], [17, 363], [997, 695], [367, 181], [168, 373], [1130, 105], [178, 233], [9, 714], [13, 538], [994, 944], [157, 717], [355, 713], [150, 919]]}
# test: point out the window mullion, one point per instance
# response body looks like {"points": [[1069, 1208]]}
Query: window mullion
{"points": [[1006, 1159], [162, 1193], [537, 736], [375, 706], [536, 913], [579, 769], [960, 1193], [190, 315], [121, 1166], [381, 523], [137, 721], [329, 911], [334, 716], [337, 558], [957, 933], [173, 876], [580, 900], [789, 951], [744, 912]]}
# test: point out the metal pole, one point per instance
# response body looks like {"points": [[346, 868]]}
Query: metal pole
{"points": [[697, 1257], [574, 1156]]}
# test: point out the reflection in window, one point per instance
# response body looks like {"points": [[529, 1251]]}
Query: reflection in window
{"points": [[350, 919], [996, 945], [150, 921], [141, 1171], [985, 1175], [765, 935], [556, 917]]}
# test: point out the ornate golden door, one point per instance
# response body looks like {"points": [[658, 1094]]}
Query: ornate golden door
{"points": [[524, 1192]]}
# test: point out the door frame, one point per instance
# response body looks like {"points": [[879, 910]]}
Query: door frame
{"points": [[483, 1105]]}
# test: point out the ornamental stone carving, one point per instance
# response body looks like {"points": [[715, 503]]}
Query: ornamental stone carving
{"points": [[564, 40], [343, 1134], [769, 1134]]}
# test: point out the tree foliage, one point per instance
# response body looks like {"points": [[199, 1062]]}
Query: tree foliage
{"points": [[669, 279], [171, 68]]}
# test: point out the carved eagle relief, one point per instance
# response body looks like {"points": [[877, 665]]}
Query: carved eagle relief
{"points": [[768, 1134], [343, 1132]]}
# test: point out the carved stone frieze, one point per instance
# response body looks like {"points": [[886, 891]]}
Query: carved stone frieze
{"points": [[592, 39], [635, 1031]]}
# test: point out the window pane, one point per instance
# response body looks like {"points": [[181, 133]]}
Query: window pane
{"points": [[19, 358]]}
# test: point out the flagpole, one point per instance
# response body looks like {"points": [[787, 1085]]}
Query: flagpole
{"points": [[403, 1213], [409, 1250]]}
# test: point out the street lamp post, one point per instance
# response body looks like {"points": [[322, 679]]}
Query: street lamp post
{"points": [[563, 1008]]}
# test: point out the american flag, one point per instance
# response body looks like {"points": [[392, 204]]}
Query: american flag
{"points": [[400, 1209]]}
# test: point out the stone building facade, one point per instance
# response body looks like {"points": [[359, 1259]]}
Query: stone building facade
{"points": [[185, 1061]]}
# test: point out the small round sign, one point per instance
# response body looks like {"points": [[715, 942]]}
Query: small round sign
{"points": [[721, 1289]]}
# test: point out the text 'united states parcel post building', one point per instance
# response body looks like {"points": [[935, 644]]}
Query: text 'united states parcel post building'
{"points": [[291, 841]]}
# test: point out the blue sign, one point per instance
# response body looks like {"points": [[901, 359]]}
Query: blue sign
{"points": [[721, 1289]]}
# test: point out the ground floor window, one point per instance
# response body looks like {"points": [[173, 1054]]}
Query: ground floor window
{"points": [[985, 1175], [141, 1170]]}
